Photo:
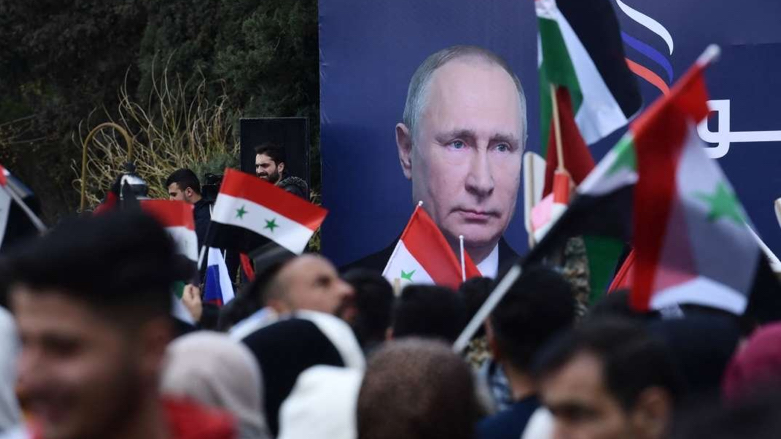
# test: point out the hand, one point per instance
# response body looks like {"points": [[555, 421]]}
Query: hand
{"points": [[191, 298]]}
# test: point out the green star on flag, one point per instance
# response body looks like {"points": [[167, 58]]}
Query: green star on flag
{"points": [[722, 203], [407, 275], [271, 225], [240, 212]]}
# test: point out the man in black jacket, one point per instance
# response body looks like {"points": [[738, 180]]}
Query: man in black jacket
{"points": [[270, 166], [183, 185]]}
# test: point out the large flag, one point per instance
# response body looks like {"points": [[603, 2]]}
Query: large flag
{"points": [[690, 234], [177, 218], [250, 211], [423, 256], [217, 287], [581, 55]]}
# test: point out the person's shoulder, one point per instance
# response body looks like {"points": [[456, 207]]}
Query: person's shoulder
{"points": [[294, 185], [509, 423], [375, 261], [188, 420]]}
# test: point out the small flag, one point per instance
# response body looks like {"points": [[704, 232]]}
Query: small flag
{"points": [[218, 288], [250, 211], [177, 218], [582, 56], [423, 256]]}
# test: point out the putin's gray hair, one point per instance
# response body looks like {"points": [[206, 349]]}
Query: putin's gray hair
{"points": [[419, 84]]}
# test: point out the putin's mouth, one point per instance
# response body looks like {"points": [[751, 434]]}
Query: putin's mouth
{"points": [[477, 215]]}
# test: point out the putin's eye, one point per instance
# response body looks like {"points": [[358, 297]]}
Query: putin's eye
{"points": [[458, 144], [503, 147]]}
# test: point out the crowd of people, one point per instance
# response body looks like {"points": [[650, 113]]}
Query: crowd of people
{"points": [[94, 342], [90, 349]]}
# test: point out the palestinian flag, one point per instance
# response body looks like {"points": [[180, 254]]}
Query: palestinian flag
{"points": [[423, 256], [250, 212], [692, 244], [581, 54], [16, 225], [177, 218]]}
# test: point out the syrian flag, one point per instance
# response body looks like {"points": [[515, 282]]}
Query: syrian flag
{"points": [[423, 256], [218, 288], [249, 212], [177, 218], [692, 242], [18, 221], [581, 55]]}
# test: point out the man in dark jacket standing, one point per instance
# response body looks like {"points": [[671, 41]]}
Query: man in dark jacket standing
{"points": [[183, 185], [270, 166]]}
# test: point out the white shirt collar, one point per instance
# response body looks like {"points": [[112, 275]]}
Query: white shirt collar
{"points": [[490, 265]]}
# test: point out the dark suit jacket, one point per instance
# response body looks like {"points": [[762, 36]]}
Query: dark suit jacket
{"points": [[378, 261]]}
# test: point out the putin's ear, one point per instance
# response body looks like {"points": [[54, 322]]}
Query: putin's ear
{"points": [[404, 144]]}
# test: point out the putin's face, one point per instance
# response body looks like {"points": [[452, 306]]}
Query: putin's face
{"points": [[465, 158]]}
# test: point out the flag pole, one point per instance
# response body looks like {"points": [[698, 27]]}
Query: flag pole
{"points": [[488, 306], [463, 265], [30, 214], [557, 128]]}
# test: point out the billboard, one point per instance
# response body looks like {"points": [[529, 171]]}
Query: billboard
{"points": [[370, 50]]}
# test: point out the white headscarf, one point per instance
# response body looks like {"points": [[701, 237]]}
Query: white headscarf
{"points": [[9, 348], [216, 371]]}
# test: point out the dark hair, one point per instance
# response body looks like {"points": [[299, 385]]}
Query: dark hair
{"points": [[374, 302], [120, 263], [758, 417], [184, 178], [474, 292], [632, 360], [275, 151], [429, 311], [417, 389], [537, 306], [253, 295]]}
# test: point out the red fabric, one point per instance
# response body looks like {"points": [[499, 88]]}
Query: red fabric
{"points": [[577, 157], [170, 213], [623, 279], [187, 420], [108, 204], [659, 136], [246, 265], [755, 366]]}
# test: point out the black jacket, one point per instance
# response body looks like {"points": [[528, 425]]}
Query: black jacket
{"points": [[203, 216], [378, 261]]}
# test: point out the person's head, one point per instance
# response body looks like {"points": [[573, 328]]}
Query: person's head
{"points": [[92, 301], [608, 379], [183, 185], [538, 306], [371, 307], [756, 366], [269, 162], [308, 282], [417, 389], [428, 311], [214, 370], [461, 141]]}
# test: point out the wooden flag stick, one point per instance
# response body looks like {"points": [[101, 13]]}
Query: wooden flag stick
{"points": [[557, 128]]}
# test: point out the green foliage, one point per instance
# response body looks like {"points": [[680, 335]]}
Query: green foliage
{"points": [[64, 62]]}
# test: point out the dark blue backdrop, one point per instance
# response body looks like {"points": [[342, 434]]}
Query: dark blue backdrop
{"points": [[369, 50]]}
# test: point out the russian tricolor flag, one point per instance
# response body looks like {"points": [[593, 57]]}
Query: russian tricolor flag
{"points": [[218, 288]]}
